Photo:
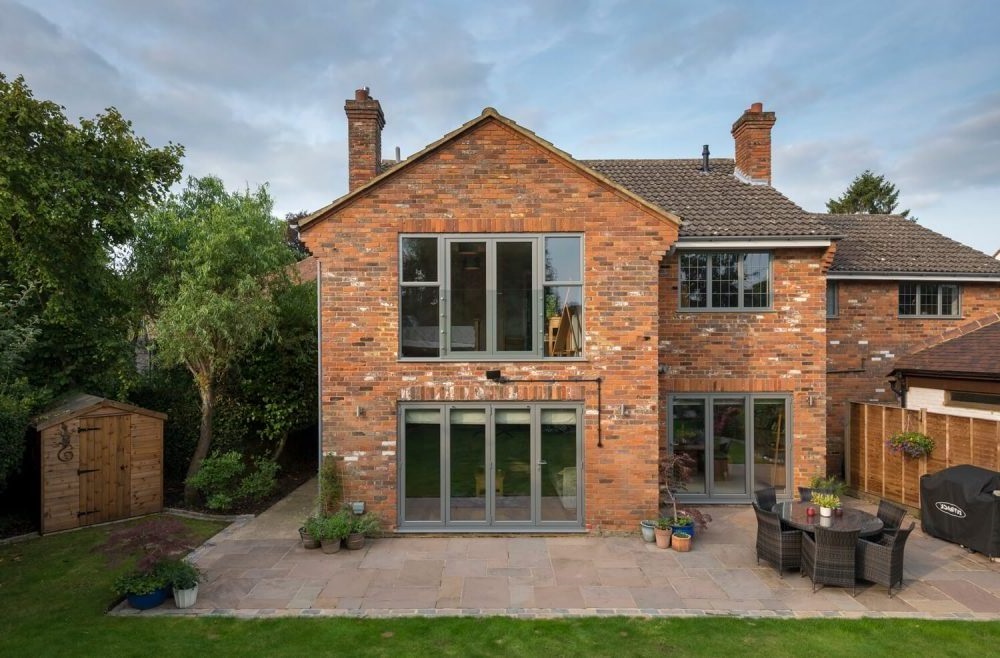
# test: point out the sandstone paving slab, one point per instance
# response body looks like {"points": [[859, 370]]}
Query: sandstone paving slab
{"points": [[450, 592], [575, 572], [607, 597], [352, 584], [560, 596], [485, 592], [454, 566], [622, 576], [420, 573], [741, 584], [488, 549], [655, 597], [973, 597], [522, 596], [402, 597], [698, 588]]}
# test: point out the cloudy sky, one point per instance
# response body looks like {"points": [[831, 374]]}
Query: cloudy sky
{"points": [[255, 90]]}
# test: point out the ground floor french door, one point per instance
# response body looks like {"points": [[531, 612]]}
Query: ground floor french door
{"points": [[490, 466], [737, 443]]}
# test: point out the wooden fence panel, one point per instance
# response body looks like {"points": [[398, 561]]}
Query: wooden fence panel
{"points": [[877, 472]]}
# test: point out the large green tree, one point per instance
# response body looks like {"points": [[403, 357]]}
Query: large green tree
{"points": [[210, 266], [868, 193], [69, 195], [17, 398]]}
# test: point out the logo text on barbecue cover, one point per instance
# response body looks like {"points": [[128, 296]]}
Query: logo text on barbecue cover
{"points": [[950, 509]]}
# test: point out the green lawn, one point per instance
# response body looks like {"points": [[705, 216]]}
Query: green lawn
{"points": [[54, 591]]}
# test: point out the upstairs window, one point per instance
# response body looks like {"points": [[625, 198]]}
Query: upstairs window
{"points": [[725, 280], [928, 300], [469, 296]]}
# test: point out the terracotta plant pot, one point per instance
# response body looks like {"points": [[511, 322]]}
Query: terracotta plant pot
{"points": [[681, 542], [662, 537]]}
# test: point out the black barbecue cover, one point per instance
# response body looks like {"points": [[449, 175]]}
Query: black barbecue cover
{"points": [[958, 504]]}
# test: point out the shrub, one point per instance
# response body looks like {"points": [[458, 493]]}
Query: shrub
{"points": [[366, 524], [326, 528], [224, 483], [138, 581], [331, 486]]}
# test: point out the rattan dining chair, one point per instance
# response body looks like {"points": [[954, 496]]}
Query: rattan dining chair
{"points": [[829, 558], [775, 544], [891, 515], [881, 561], [766, 498]]}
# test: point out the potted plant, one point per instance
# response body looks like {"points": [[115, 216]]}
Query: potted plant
{"points": [[827, 484], [183, 577], [910, 444], [681, 541], [648, 528], [143, 588], [827, 502], [676, 470], [331, 530], [362, 525], [662, 532], [307, 533]]}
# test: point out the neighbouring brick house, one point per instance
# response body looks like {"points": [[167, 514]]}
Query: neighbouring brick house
{"points": [[510, 337]]}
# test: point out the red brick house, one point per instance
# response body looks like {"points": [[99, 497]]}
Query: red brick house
{"points": [[511, 337]]}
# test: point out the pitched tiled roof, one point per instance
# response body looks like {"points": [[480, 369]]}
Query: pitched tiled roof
{"points": [[889, 244], [974, 353], [714, 204]]}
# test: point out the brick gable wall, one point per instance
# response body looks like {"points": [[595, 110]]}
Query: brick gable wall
{"points": [[780, 351], [493, 180], [868, 336]]}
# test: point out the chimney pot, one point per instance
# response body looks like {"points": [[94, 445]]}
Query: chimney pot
{"points": [[361, 94], [752, 134]]}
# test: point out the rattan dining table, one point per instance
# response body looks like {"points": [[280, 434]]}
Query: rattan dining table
{"points": [[796, 515]]}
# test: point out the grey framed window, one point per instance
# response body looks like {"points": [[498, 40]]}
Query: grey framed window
{"points": [[487, 296], [725, 280], [972, 400], [929, 299], [832, 301]]}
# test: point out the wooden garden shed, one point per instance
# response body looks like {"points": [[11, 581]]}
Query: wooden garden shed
{"points": [[100, 461]]}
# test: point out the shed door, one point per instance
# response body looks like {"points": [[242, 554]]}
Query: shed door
{"points": [[105, 446]]}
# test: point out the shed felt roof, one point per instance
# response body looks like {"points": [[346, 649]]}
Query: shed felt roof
{"points": [[894, 244], [715, 204], [975, 353], [79, 404]]}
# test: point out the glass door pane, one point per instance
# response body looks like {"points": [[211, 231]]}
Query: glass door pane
{"points": [[688, 438], [560, 482], [467, 284], [515, 317], [770, 433], [512, 476], [469, 481], [729, 446], [422, 465]]}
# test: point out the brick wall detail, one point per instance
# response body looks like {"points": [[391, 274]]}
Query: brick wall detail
{"points": [[490, 179], [782, 350], [868, 336]]}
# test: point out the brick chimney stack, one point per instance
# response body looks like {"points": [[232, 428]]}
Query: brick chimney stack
{"points": [[752, 133], [364, 138]]}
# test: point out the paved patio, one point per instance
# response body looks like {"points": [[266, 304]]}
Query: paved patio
{"points": [[258, 568]]}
